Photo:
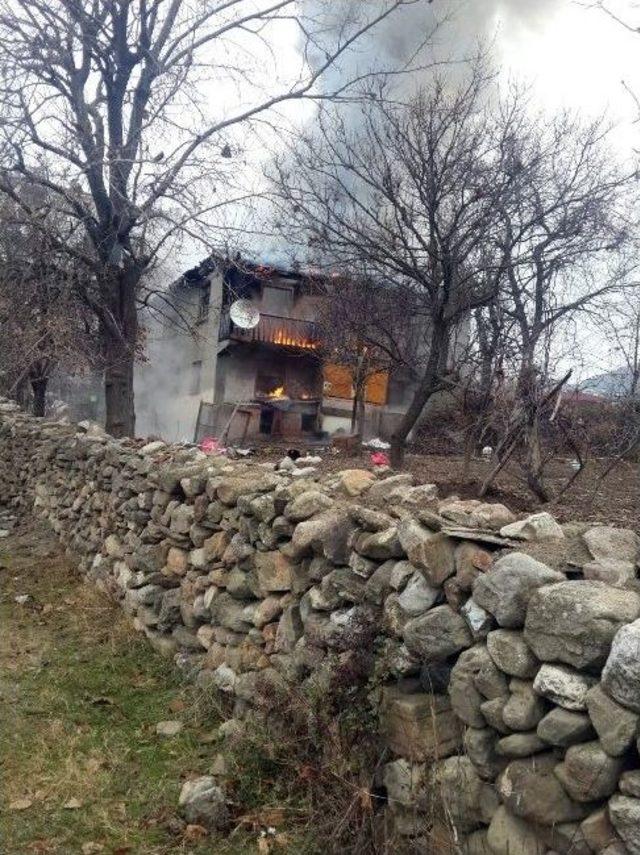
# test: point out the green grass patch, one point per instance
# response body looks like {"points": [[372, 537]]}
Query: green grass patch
{"points": [[80, 696], [82, 769]]}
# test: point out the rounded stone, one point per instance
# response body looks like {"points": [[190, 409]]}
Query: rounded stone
{"points": [[511, 653], [563, 686], [621, 674], [624, 813], [588, 773], [437, 634], [510, 835], [575, 622], [505, 590], [530, 790]]}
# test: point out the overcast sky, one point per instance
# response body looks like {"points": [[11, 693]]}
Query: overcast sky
{"points": [[578, 57], [572, 56]]}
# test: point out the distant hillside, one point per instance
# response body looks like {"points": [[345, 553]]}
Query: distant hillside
{"points": [[609, 384]]}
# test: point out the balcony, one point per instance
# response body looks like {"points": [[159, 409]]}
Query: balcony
{"points": [[273, 330]]}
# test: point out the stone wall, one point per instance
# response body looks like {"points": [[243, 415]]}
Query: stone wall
{"points": [[504, 654]]}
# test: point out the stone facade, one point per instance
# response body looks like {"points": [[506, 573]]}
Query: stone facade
{"points": [[507, 686]]}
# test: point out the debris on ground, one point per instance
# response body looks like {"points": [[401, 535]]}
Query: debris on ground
{"points": [[376, 444], [309, 460], [211, 445]]}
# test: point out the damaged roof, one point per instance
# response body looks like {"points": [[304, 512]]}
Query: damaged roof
{"points": [[253, 271]]}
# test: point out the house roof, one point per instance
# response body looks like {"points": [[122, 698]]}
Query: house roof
{"points": [[256, 270]]}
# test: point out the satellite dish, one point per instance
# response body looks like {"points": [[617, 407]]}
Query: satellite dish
{"points": [[244, 314]]}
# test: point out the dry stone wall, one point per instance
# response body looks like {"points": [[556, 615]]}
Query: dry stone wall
{"points": [[504, 653]]}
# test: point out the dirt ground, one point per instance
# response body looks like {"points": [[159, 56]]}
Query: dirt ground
{"points": [[615, 500]]}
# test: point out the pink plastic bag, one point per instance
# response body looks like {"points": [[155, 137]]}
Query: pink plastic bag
{"points": [[379, 458], [210, 445]]}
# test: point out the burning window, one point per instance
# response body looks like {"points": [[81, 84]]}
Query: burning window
{"points": [[270, 386]]}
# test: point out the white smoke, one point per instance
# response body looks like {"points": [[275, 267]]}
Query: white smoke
{"points": [[420, 34], [423, 32]]}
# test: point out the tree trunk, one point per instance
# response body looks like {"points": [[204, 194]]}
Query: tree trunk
{"points": [[469, 448], [354, 411], [530, 394], [39, 387], [119, 342], [357, 411], [20, 392], [533, 460], [118, 389], [428, 386], [360, 413]]}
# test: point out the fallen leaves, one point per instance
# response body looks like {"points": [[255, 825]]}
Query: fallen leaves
{"points": [[308, 773], [72, 804]]}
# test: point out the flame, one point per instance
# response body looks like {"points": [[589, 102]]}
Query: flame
{"points": [[276, 393], [287, 339]]}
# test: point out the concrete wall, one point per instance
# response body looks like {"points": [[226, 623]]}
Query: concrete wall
{"points": [[180, 366]]}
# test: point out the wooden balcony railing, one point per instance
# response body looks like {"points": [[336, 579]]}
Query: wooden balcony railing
{"points": [[275, 330]]}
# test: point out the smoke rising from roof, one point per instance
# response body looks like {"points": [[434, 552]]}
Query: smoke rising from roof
{"points": [[443, 31]]}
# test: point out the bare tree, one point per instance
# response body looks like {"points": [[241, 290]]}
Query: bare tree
{"points": [[117, 107], [620, 321], [364, 330], [408, 195], [566, 229], [43, 324], [481, 391]]}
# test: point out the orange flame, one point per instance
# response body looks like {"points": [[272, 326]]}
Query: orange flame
{"points": [[276, 393], [287, 339]]}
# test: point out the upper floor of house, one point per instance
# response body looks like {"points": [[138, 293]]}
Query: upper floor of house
{"points": [[288, 302]]}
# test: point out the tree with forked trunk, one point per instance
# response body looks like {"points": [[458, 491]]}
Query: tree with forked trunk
{"points": [[127, 112], [408, 195], [364, 331], [569, 243]]}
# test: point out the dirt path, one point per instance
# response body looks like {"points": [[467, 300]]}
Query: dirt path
{"points": [[82, 767]]}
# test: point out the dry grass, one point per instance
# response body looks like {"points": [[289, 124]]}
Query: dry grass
{"points": [[84, 771], [80, 694]]}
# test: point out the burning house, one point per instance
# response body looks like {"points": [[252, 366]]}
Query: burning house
{"points": [[267, 379]]}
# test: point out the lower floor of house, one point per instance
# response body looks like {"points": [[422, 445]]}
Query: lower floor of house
{"points": [[251, 394], [267, 393]]}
